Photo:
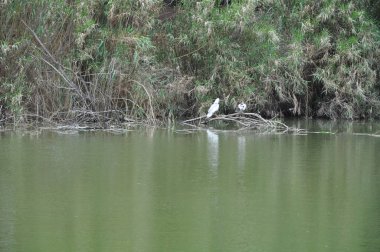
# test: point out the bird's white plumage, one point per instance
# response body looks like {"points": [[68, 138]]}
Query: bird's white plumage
{"points": [[214, 107], [242, 106]]}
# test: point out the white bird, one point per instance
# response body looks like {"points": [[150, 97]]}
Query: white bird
{"points": [[214, 107], [242, 106]]}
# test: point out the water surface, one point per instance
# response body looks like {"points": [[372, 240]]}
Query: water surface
{"points": [[162, 190]]}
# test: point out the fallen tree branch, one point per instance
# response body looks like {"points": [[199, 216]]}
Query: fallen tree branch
{"points": [[194, 119], [246, 121]]}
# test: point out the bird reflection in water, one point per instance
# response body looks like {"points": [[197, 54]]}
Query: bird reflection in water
{"points": [[241, 152], [213, 150]]}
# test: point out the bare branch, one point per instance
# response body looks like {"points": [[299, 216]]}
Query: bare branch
{"points": [[247, 121]]}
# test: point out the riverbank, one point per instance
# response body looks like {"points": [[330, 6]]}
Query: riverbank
{"points": [[110, 62]]}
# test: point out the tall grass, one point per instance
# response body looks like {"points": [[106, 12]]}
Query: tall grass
{"points": [[282, 57], [109, 61], [76, 61]]}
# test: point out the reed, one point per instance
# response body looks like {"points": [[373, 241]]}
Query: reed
{"points": [[114, 61]]}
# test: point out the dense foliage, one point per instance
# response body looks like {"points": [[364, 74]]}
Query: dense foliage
{"points": [[107, 60]]}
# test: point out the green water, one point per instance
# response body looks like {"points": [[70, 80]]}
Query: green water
{"points": [[160, 190]]}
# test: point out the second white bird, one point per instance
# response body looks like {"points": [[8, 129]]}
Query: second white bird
{"points": [[242, 106]]}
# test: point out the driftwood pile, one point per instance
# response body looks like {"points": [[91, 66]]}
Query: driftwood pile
{"points": [[244, 121]]}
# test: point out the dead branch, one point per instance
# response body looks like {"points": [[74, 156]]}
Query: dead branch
{"points": [[59, 68], [246, 121], [193, 119]]}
